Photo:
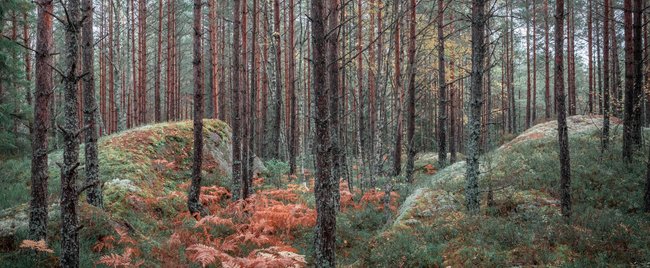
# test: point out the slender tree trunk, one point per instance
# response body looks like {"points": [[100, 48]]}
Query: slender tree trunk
{"points": [[534, 82], [590, 57], [157, 108], [193, 203], [397, 151], [639, 75], [616, 99], [70, 128], [442, 93], [410, 129], [237, 176], [94, 196], [646, 196], [628, 123], [334, 105], [293, 113], [606, 75], [43, 95], [277, 117], [528, 82], [571, 64], [479, 20], [547, 84], [325, 185], [563, 137]]}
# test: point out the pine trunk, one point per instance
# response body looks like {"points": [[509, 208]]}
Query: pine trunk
{"points": [[43, 96]]}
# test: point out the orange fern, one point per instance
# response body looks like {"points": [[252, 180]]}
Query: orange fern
{"points": [[40, 246]]}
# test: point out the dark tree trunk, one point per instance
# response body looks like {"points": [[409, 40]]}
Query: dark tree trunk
{"points": [[646, 197], [237, 176], [325, 185], [442, 93], [571, 64], [193, 203], [410, 128], [277, 113], [528, 82], [397, 151], [293, 113], [157, 117], [628, 123], [94, 196], [70, 129], [479, 20], [606, 75], [590, 59], [334, 106], [565, 167], [43, 96], [547, 84]]}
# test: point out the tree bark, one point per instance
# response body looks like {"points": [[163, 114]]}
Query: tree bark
{"points": [[237, 176], [565, 167], [606, 76], [442, 93], [479, 20], [43, 96], [325, 185], [397, 151], [547, 84], [94, 196], [193, 203], [277, 115], [334, 105], [410, 129], [70, 130]]}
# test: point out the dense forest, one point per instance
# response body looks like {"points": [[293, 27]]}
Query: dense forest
{"points": [[327, 133]]}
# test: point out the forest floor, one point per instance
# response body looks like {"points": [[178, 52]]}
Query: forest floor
{"points": [[146, 173]]}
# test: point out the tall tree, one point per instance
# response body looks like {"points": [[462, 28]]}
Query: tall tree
{"points": [[410, 110], [590, 57], [325, 185], [43, 95], [478, 21], [397, 151], [70, 129], [633, 77], [237, 176], [563, 137], [442, 92], [291, 88], [157, 108], [334, 93], [194, 192], [528, 81], [277, 113], [606, 75], [571, 62], [547, 84], [94, 196]]}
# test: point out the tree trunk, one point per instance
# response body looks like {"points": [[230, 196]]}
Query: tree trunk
{"points": [[94, 196], [479, 20], [277, 116], [606, 75], [193, 203], [442, 93], [237, 176], [397, 151], [565, 167], [325, 185], [70, 128], [571, 64], [547, 84], [291, 88], [590, 57], [528, 82], [410, 129], [157, 117], [43, 96], [334, 106], [628, 122]]}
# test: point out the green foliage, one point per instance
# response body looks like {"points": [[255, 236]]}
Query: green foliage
{"points": [[275, 170]]}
